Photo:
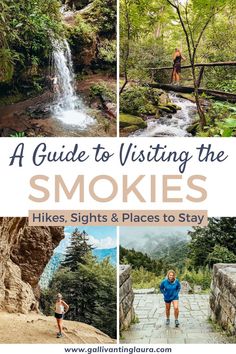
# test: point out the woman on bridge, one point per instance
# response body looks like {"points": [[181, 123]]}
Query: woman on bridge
{"points": [[170, 288], [177, 57]]}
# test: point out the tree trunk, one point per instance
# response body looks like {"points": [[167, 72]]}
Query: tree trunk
{"points": [[127, 49], [126, 80], [201, 113], [200, 76]]}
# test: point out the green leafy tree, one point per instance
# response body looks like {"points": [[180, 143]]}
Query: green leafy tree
{"points": [[77, 250], [25, 30], [220, 231], [195, 16], [220, 254], [133, 18], [88, 286]]}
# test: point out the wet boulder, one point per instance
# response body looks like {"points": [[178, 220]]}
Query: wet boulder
{"points": [[163, 97], [39, 111], [186, 96], [127, 120], [169, 108], [193, 128], [130, 129]]}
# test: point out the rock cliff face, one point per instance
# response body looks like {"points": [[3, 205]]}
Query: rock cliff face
{"points": [[24, 253]]}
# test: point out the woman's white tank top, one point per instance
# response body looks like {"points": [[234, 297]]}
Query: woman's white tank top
{"points": [[59, 308]]}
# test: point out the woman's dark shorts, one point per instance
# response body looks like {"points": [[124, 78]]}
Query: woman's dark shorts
{"points": [[169, 302], [58, 315], [177, 67]]}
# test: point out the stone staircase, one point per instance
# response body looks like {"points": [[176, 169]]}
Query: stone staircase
{"points": [[151, 329]]}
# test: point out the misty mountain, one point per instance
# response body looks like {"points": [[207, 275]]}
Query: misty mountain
{"points": [[157, 243]]}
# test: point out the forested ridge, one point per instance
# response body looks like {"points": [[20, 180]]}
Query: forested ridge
{"points": [[192, 258]]}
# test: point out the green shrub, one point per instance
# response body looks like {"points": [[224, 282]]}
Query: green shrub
{"points": [[221, 254], [103, 17], [137, 100], [107, 51], [104, 91], [143, 279], [81, 34], [221, 120], [200, 277], [26, 30]]}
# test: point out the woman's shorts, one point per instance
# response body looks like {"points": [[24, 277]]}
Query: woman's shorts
{"points": [[58, 315], [177, 68], [169, 302]]}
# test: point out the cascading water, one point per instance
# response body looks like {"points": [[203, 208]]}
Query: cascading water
{"points": [[68, 107], [175, 125]]}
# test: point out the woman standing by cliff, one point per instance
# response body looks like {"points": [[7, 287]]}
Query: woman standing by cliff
{"points": [[61, 308], [170, 288]]}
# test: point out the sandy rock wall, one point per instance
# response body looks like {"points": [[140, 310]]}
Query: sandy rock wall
{"points": [[24, 253]]}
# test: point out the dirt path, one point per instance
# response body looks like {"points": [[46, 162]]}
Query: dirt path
{"points": [[33, 328]]}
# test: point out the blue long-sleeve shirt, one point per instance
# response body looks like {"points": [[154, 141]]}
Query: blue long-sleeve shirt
{"points": [[170, 290]]}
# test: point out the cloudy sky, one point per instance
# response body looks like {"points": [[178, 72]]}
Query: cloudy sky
{"points": [[101, 237], [131, 236]]}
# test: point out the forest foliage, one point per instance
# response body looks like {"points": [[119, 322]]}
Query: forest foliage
{"points": [[203, 30], [25, 33], [88, 286], [192, 259], [27, 28], [151, 30]]}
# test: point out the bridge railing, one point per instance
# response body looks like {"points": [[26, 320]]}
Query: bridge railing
{"points": [[202, 67]]}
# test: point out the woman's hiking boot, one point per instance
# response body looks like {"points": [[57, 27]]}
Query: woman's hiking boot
{"points": [[176, 323]]}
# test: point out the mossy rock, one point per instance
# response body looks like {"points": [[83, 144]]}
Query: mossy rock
{"points": [[187, 96], [166, 109], [193, 128], [169, 108], [173, 106], [139, 100], [127, 120], [130, 129]]}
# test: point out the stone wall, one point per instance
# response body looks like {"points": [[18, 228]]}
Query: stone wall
{"points": [[126, 297], [223, 296]]}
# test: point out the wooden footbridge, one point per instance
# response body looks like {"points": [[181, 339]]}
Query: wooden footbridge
{"points": [[219, 95]]}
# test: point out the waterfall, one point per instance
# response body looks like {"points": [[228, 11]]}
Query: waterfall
{"points": [[68, 107]]}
